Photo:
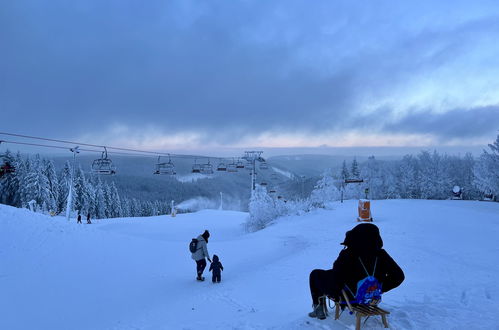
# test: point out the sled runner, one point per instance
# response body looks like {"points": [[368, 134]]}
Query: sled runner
{"points": [[359, 310], [364, 302]]}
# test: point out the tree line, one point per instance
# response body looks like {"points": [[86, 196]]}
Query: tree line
{"points": [[428, 175], [36, 179]]}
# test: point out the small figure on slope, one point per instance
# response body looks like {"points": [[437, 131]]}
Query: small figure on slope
{"points": [[216, 269]]}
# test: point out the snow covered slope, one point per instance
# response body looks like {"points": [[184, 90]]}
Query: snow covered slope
{"points": [[137, 273]]}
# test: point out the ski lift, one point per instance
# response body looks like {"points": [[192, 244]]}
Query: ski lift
{"points": [[272, 191], [263, 183], [232, 167], [103, 165], [239, 164], [207, 168], [274, 177], [248, 165], [264, 166], [165, 168], [196, 168], [6, 167], [221, 166]]}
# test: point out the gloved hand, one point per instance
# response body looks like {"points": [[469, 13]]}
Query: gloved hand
{"points": [[209, 260]]}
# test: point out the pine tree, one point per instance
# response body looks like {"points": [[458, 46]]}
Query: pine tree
{"points": [[487, 170], [64, 183], [9, 183], [35, 185], [99, 210], [344, 171], [406, 174], [53, 184], [355, 169], [372, 177]]}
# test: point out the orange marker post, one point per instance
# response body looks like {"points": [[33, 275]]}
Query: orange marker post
{"points": [[364, 211]]}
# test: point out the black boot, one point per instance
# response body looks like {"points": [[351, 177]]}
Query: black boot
{"points": [[320, 310]]}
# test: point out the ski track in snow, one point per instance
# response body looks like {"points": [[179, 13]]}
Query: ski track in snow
{"points": [[137, 273]]}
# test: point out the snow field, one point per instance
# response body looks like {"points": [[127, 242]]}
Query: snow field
{"points": [[136, 273]]}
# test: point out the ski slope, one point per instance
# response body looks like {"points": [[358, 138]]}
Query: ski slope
{"points": [[136, 273]]}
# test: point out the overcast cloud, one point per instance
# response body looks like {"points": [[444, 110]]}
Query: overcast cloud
{"points": [[228, 72]]}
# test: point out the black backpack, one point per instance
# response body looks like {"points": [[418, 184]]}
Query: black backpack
{"points": [[193, 245]]}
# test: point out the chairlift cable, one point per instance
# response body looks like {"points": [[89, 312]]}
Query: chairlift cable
{"points": [[155, 153]]}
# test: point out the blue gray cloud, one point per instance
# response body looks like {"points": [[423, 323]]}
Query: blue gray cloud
{"points": [[237, 68]]}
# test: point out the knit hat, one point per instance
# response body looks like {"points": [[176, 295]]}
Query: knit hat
{"points": [[205, 235]]}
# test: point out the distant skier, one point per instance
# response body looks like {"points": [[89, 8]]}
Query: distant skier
{"points": [[216, 269], [79, 218], [363, 254], [201, 252], [88, 219]]}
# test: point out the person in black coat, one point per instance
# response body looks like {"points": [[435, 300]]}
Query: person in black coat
{"points": [[216, 269], [88, 219], [363, 253]]}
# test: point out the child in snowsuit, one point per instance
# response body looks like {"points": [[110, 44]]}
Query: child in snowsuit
{"points": [[216, 267]]}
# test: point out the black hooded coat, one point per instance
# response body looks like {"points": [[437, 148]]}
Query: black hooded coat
{"points": [[363, 249]]}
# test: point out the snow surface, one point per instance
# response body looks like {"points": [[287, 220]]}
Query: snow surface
{"points": [[136, 273]]}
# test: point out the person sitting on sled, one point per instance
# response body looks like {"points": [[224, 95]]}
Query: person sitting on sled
{"points": [[363, 253]]}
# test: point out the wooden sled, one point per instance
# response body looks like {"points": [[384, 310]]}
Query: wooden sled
{"points": [[360, 311]]}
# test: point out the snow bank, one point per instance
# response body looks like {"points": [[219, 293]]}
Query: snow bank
{"points": [[136, 273]]}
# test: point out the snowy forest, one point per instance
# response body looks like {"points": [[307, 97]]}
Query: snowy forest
{"points": [[425, 176], [35, 179], [428, 175]]}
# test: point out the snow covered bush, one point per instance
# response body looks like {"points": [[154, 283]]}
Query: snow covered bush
{"points": [[262, 209], [487, 170], [325, 191]]}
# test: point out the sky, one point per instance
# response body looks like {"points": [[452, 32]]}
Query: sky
{"points": [[214, 75]]}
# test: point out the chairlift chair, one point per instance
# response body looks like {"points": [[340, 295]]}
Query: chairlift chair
{"points": [[165, 168], [6, 168], [221, 166], [263, 184], [196, 168], [232, 167], [239, 164], [103, 165], [207, 168]]}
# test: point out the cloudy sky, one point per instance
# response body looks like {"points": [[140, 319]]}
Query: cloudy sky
{"points": [[175, 75]]}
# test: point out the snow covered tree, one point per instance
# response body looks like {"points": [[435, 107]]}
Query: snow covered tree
{"points": [[344, 171], [262, 209], [115, 202], [406, 177], [487, 170], [325, 190], [64, 182], [99, 209], [372, 177], [53, 185], [355, 172], [9, 183], [35, 185]]}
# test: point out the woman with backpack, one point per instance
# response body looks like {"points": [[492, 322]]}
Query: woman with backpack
{"points": [[199, 251], [362, 257]]}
